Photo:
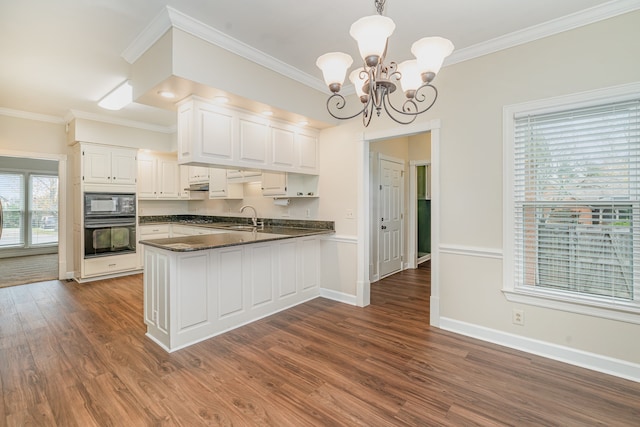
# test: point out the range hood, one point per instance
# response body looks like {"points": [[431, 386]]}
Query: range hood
{"points": [[203, 186]]}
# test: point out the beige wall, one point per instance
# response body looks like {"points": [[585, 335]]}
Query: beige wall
{"points": [[32, 138], [472, 96]]}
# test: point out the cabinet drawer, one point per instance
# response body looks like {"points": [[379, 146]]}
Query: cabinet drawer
{"points": [[150, 230], [110, 264]]}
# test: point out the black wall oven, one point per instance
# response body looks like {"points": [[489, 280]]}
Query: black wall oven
{"points": [[109, 224]]}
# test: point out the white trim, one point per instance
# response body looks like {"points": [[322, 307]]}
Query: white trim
{"points": [[471, 251], [338, 296], [341, 239], [596, 362], [547, 298], [31, 116], [159, 25], [118, 121], [545, 29]]}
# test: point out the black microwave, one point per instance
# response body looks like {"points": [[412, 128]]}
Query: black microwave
{"points": [[109, 204]]}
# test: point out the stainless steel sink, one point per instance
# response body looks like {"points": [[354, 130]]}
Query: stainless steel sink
{"points": [[239, 227], [243, 227]]}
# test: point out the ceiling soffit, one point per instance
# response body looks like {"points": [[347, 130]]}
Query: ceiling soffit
{"points": [[170, 17]]}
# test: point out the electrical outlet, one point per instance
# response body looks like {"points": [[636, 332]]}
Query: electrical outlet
{"points": [[349, 214], [308, 213], [517, 316]]}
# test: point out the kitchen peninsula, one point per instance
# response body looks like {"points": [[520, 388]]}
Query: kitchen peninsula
{"points": [[199, 286]]}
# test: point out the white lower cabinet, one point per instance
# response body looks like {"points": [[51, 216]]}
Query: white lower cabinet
{"points": [[148, 232], [192, 296], [114, 264]]}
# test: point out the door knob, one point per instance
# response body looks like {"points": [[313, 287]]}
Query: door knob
{"points": [[384, 227]]}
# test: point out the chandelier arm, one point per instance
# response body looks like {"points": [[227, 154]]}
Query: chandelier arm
{"points": [[422, 96], [387, 103], [340, 102]]}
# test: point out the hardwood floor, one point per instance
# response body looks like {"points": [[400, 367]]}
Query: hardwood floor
{"points": [[76, 355]]}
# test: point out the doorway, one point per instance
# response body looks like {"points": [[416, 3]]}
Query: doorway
{"points": [[32, 246], [365, 273]]}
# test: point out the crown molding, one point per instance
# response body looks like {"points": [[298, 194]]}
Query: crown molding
{"points": [[147, 37], [198, 29], [76, 114], [31, 116], [170, 17], [546, 29]]}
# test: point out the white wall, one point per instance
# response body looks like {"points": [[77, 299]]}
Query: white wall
{"points": [[472, 95]]}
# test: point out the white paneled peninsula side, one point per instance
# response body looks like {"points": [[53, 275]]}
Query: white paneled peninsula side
{"points": [[196, 287]]}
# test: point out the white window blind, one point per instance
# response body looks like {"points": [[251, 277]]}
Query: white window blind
{"points": [[577, 201], [12, 196]]}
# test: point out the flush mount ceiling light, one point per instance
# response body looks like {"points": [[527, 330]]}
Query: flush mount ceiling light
{"points": [[374, 81], [118, 98], [166, 94]]}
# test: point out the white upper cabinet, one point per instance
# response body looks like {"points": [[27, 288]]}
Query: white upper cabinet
{"points": [[253, 140], [306, 151], [108, 165], [284, 184], [283, 146], [215, 135], [168, 178], [221, 188], [198, 175], [205, 133], [160, 177]]}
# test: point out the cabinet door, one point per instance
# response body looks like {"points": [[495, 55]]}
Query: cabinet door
{"points": [[282, 146], [217, 183], [198, 174], [307, 155], [146, 178], [253, 140], [274, 183], [185, 132], [123, 166], [168, 178], [183, 187], [214, 132], [96, 165]]}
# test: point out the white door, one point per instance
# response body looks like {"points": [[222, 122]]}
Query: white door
{"points": [[390, 232]]}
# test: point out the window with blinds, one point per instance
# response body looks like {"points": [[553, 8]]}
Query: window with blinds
{"points": [[576, 201]]}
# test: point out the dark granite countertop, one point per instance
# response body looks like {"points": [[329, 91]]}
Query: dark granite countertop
{"points": [[230, 238]]}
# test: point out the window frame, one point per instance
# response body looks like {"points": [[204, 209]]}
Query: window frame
{"points": [[627, 311]]}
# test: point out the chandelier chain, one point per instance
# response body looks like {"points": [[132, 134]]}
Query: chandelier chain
{"points": [[380, 6]]}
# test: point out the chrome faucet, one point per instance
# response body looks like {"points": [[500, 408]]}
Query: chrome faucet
{"points": [[254, 219]]}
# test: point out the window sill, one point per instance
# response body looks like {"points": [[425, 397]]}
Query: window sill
{"points": [[12, 252], [620, 311]]}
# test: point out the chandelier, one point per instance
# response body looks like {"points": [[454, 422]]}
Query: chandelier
{"points": [[375, 80]]}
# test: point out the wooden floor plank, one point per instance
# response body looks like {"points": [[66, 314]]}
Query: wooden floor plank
{"points": [[76, 355]]}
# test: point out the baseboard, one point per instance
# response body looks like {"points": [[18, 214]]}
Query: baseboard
{"points": [[338, 296], [596, 362]]}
